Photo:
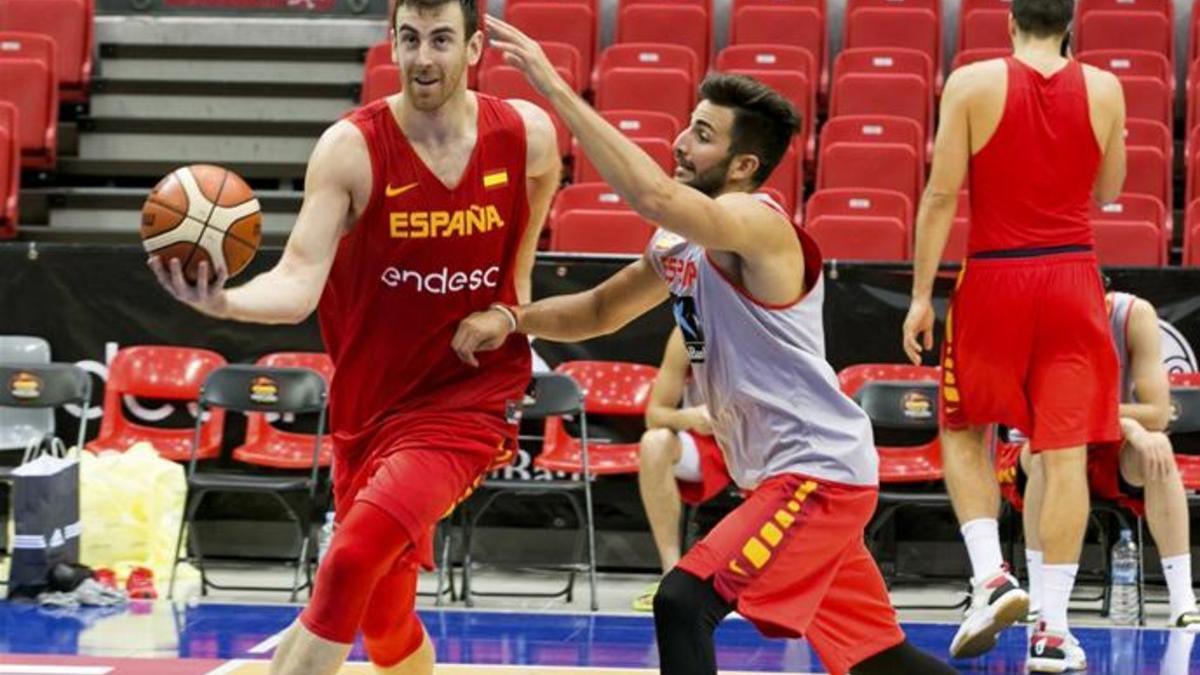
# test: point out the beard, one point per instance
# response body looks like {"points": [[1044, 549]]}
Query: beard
{"points": [[432, 98], [712, 180]]}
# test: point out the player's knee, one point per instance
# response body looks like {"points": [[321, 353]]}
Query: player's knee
{"points": [[350, 560], [390, 643], [677, 599], [902, 658], [655, 451]]}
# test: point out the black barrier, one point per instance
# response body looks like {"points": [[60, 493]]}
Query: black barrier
{"points": [[89, 300]]}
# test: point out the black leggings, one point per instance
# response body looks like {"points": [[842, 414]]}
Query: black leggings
{"points": [[687, 611]]}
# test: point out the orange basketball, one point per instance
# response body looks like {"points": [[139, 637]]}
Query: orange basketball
{"points": [[202, 213]]}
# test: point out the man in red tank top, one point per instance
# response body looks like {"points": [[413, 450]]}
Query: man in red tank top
{"points": [[419, 210], [1041, 137]]}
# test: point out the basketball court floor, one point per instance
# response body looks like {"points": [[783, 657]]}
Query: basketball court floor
{"points": [[220, 636]]}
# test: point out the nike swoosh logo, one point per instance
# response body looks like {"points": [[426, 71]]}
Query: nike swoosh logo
{"points": [[395, 192]]}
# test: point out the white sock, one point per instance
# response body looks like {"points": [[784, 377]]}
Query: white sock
{"points": [[1178, 571], [1033, 562], [982, 537], [1057, 582]]}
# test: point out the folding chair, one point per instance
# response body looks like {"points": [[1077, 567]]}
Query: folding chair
{"points": [[257, 389], [554, 395], [19, 426]]}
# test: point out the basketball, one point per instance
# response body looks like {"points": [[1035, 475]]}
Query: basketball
{"points": [[202, 213]]}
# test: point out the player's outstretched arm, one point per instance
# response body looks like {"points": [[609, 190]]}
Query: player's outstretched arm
{"points": [[951, 154], [631, 172], [621, 298], [339, 171], [543, 172]]}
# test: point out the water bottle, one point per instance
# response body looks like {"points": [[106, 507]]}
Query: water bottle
{"points": [[325, 536], [1124, 588]]}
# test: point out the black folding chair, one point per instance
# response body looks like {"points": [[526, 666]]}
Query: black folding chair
{"points": [[553, 394], [249, 388], [29, 386]]}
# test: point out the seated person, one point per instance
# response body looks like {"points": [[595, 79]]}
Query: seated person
{"points": [[679, 458]]}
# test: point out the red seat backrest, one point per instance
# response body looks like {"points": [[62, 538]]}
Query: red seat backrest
{"points": [[67, 22], [572, 23], [648, 55], [600, 231], [382, 80], [682, 24], [643, 123], [659, 89]]}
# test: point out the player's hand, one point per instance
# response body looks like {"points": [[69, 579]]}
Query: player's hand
{"points": [[699, 420], [918, 329], [480, 332], [524, 54], [1155, 450], [204, 297]]}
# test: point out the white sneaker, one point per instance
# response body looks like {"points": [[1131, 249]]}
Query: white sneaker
{"points": [[996, 603], [1054, 652], [1188, 621]]}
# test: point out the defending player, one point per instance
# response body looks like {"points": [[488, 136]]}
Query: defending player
{"points": [[748, 290]]}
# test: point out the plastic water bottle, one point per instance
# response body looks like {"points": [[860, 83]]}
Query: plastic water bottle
{"points": [[325, 536], [1124, 589]]}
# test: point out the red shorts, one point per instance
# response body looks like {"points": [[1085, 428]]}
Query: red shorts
{"points": [[792, 559], [1028, 345], [1103, 470], [714, 476], [418, 467]]}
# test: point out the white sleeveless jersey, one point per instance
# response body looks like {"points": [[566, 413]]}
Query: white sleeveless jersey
{"points": [[1120, 306], [773, 398]]}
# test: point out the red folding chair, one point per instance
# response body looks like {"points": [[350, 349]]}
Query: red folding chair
{"points": [[654, 89], [659, 150], [860, 224], [1140, 30], [901, 95], [28, 81], [876, 27], [1130, 62], [795, 26], [1185, 419], [984, 29], [572, 23], [643, 124], [165, 373], [647, 55], [69, 23], [1140, 208], [683, 24], [882, 166]]}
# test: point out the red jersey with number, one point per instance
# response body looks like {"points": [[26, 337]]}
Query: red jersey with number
{"points": [[1031, 183], [421, 258]]}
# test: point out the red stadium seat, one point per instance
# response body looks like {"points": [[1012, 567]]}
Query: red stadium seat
{"points": [[643, 124], [1191, 235], [872, 129], [600, 231], [572, 23], [860, 224], [1192, 167], [686, 25], [660, 151], [802, 27], [647, 55], [654, 89], [1140, 209], [561, 55], [883, 61], [882, 166], [505, 81], [268, 445], [1140, 30], [1128, 243], [1148, 173], [877, 27], [163, 373], [382, 80], [10, 169], [1149, 134], [69, 23], [586, 197], [975, 55], [27, 80], [788, 179], [984, 29], [870, 94], [1127, 62], [1148, 98], [901, 463], [610, 389], [795, 86]]}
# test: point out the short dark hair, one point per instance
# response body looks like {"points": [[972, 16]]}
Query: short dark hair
{"points": [[764, 122], [469, 7], [1043, 18]]}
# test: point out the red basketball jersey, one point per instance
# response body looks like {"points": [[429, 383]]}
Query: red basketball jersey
{"points": [[1031, 183], [420, 259]]}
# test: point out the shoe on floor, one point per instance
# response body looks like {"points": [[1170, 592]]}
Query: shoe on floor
{"points": [[645, 601], [996, 603], [106, 577], [140, 584], [1051, 652], [1188, 621]]}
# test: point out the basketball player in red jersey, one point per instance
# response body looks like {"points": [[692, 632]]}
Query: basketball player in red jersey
{"points": [[748, 289], [419, 209], [1042, 137]]}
